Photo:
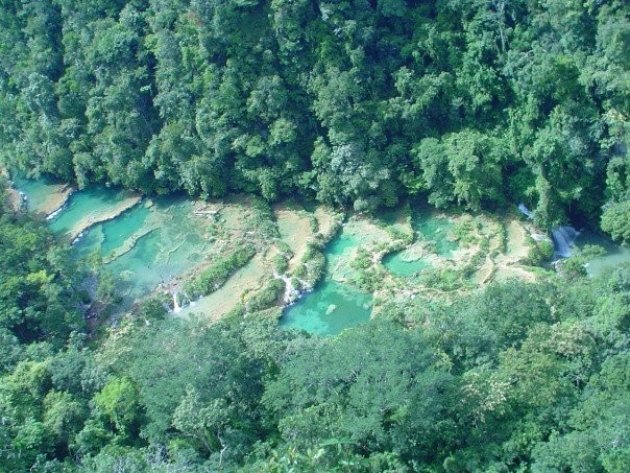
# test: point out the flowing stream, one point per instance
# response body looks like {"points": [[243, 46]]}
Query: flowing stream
{"points": [[522, 208], [155, 242], [563, 237]]}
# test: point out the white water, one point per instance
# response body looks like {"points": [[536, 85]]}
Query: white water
{"points": [[563, 238], [176, 307], [291, 294], [52, 215], [539, 237], [181, 300], [77, 239], [525, 211]]}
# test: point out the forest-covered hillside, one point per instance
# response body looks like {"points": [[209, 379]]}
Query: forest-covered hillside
{"points": [[360, 104], [529, 377], [354, 102]]}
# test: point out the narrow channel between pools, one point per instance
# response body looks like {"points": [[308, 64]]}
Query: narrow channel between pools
{"points": [[152, 244]]}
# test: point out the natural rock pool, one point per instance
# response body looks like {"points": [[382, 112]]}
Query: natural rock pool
{"points": [[431, 229], [144, 243], [43, 196], [329, 309], [151, 244], [156, 242], [89, 207], [333, 305]]}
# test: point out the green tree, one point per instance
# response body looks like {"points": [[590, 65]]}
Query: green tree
{"points": [[374, 389], [615, 221]]}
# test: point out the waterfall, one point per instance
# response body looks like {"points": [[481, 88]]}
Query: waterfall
{"points": [[176, 307], [187, 300], [525, 211], [563, 238], [181, 300], [291, 294]]}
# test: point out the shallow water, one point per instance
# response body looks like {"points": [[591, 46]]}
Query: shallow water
{"points": [[342, 244], [37, 191], [144, 246], [615, 254], [147, 246], [85, 203], [152, 244], [140, 269], [397, 264], [332, 306], [435, 231], [107, 237], [118, 230], [329, 309]]}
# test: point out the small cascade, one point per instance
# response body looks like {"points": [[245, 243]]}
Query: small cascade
{"points": [[181, 300], [176, 307], [539, 237], [53, 215], [563, 238], [522, 208], [77, 239], [291, 294]]}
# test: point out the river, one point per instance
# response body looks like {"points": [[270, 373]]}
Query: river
{"points": [[153, 244]]}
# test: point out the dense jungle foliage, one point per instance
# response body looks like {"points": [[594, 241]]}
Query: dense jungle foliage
{"points": [[354, 102], [358, 103], [519, 377]]}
